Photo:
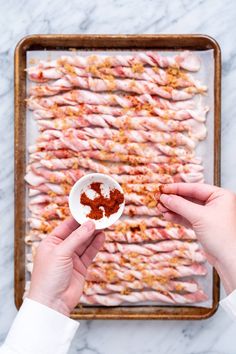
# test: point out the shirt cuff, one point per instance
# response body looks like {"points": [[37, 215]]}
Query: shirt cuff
{"points": [[40, 330], [229, 304]]}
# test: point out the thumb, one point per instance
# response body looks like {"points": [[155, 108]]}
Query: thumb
{"points": [[181, 206], [78, 239]]}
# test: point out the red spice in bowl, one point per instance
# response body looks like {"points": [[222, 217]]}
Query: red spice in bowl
{"points": [[102, 205]]}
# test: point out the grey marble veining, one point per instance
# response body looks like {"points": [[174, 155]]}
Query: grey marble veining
{"points": [[213, 17]]}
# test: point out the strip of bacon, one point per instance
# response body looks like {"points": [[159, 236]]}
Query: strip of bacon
{"points": [[148, 249], [197, 256], [114, 275], [144, 110], [71, 140], [126, 101], [196, 130], [122, 287], [116, 299], [54, 211], [185, 60], [143, 267], [86, 163], [37, 176], [112, 157], [53, 189], [69, 82], [125, 136], [151, 234], [172, 77], [135, 223]]}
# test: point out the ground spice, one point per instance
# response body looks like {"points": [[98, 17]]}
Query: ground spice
{"points": [[101, 205]]}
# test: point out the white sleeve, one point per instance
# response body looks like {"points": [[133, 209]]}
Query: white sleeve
{"points": [[37, 329], [229, 304]]}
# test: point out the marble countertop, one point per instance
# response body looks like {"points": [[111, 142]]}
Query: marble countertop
{"points": [[213, 17]]}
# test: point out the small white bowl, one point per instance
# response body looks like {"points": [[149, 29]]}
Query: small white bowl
{"points": [[80, 211]]}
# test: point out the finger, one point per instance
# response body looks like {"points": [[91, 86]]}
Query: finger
{"points": [[78, 265], [65, 228], [176, 219], [82, 247], [190, 211], [162, 208], [92, 250], [77, 238], [198, 191]]}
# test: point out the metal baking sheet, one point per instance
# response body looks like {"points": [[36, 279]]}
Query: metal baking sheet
{"points": [[208, 49]]}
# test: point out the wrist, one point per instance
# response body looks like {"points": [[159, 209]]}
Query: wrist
{"points": [[226, 269], [55, 304]]}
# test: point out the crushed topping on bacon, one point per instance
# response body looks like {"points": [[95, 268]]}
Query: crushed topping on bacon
{"points": [[70, 69], [138, 68]]}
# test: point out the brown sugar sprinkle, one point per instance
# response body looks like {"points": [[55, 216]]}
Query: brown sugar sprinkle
{"points": [[156, 69], [179, 287], [102, 205], [167, 88], [121, 137], [52, 194], [70, 69], [125, 291], [138, 68], [109, 80], [93, 70]]}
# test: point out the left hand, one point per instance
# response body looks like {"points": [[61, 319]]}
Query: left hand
{"points": [[61, 264]]}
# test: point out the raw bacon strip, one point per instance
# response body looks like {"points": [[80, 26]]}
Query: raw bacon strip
{"points": [[43, 225], [141, 136], [125, 136], [151, 234], [146, 110], [194, 256], [139, 224], [116, 299], [125, 266], [148, 249], [54, 211], [44, 198], [41, 175], [185, 60], [122, 287], [126, 101], [107, 156], [114, 275], [77, 140], [49, 211], [71, 140], [172, 77], [86, 163], [33, 236], [52, 189], [132, 210], [196, 130], [68, 82], [64, 189]]}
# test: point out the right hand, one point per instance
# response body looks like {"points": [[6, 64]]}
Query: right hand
{"points": [[211, 212]]}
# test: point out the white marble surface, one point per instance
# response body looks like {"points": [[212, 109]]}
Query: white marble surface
{"points": [[213, 17]]}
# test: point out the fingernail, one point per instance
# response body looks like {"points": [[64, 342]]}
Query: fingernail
{"points": [[166, 199], [89, 225]]}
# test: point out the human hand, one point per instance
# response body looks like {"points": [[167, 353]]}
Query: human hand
{"points": [[211, 212], [61, 263]]}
